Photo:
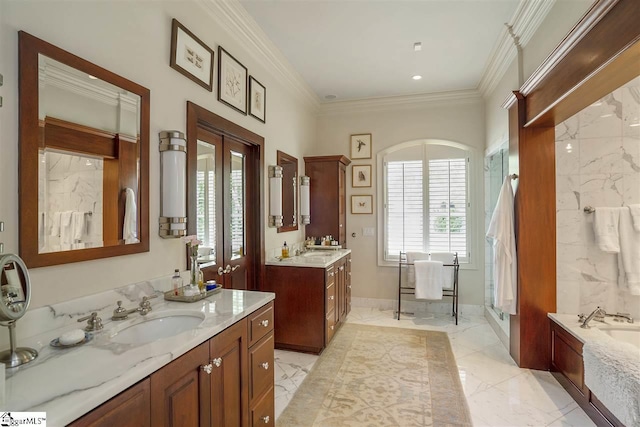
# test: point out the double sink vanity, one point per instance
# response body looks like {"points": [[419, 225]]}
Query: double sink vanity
{"points": [[313, 292], [203, 363]]}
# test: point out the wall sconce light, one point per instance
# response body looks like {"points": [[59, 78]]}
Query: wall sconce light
{"points": [[275, 196], [173, 184], [305, 206]]}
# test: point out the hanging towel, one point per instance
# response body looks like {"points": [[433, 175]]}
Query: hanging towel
{"points": [[629, 255], [65, 230], [635, 215], [55, 226], [411, 259], [501, 230], [447, 274], [77, 226], [605, 227], [129, 229], [429, 279]]}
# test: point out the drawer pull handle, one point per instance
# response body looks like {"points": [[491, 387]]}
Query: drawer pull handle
{"points": [[266, 419], [331, 274], [331, 297], [265, 323], [265, 365], [341, 267], [332, 327], [217, 361], [207, 368]]}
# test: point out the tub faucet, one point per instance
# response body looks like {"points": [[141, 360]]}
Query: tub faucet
{"points": [[619, 316], [598, 314]]}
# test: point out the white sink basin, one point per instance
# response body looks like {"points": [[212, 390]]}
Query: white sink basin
{"points": [[629, 334], [155, 327]]}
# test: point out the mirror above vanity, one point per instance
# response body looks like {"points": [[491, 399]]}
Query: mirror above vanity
{"points": [[84, 150], [289, 166]]}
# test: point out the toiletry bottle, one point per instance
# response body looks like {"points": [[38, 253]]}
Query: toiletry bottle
{"points": [[285, 250], [176, 282]]}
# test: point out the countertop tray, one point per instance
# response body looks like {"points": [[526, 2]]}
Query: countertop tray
{"points": [[169, 296]]}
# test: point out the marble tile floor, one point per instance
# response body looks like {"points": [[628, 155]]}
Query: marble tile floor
{"points": [[498, 392]]}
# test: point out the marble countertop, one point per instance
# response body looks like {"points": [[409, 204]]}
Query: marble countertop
{"points": [[571, 324], [313, 259], [67, 383]]}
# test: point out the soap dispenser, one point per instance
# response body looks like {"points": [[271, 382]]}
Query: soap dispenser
{"points": [[285, 250]]}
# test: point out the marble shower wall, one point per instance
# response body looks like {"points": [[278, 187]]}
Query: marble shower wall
{"points": [[597, 164]]}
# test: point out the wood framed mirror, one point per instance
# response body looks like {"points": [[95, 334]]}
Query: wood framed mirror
{"points": [[290, 178], [84, 159]]}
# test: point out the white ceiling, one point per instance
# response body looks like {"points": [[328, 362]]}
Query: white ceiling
{"points": [[357, 49]]}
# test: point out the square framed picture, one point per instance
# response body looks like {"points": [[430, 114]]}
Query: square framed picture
{"points": [[362, 204], [257, 99], [361, 176], [361, 146], [190, 56], [232, 81]]}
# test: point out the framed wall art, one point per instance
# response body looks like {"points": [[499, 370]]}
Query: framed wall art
{"points": [[190, 56], [361, 176], [232, 81], [257, 99], [362, 204], [361, 146]]}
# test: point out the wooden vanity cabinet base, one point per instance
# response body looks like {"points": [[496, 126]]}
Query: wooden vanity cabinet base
{"points": [[567, 366], [131, 408]]}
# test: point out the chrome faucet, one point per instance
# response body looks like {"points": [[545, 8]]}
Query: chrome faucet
{"points": [[619, 316], [597, 314], [121, 313]]}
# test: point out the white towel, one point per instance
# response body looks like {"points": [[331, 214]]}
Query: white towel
{"points": [[629, 253], [505, 271], [411, 259], [612, 373], [55, 226], [605, 227], [65, 230], [447, 274], [77, 226], [429, 279], [129, 229], [635, 214]]}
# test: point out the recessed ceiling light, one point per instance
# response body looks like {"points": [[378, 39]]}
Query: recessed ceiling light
{"points": [[416, 77], [330, 96], [417, 46]]}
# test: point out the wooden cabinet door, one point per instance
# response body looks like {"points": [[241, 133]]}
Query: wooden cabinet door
{"points": [[347, 282], [131, 408], [341, 288], [229, 399], [180, 391]]}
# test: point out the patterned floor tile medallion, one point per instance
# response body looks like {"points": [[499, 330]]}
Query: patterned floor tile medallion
{"points": [[377, 376]]}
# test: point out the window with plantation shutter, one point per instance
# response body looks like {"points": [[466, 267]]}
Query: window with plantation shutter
{"points": [[426, 204], [206, 202]]}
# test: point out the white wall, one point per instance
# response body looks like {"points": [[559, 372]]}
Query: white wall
{"points": [[132, 39], [460, 121]]}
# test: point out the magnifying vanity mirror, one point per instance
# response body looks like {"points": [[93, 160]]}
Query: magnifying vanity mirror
{"points": [[289, 166], [15, 294], [84, 148]]}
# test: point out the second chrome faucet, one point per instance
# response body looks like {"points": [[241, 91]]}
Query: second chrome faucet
{"points": [[599, 315], [121, 313]]}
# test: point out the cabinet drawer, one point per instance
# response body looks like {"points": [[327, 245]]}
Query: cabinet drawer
{"points": [[330, 325], [331, 298], [260, 323], [261, 359], [263, 413], [330, 276]]}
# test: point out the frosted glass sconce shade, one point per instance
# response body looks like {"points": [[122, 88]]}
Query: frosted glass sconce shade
{"points": [[275, 196], [173, 184], [305, 208]]}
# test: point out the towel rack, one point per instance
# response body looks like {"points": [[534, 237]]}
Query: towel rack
{"points": [[589, 209], [409, 290]]}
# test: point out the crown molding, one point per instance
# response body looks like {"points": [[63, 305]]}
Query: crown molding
{"points": [[525, 22], [400, 102], [233, 17]]}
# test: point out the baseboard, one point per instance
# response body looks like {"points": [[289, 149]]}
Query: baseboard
{"points": [[420, 307]]}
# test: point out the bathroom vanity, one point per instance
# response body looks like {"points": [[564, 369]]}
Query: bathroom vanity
{"points": [[219, 372], [313, 292], [567, 366]]}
